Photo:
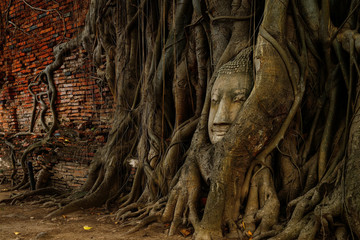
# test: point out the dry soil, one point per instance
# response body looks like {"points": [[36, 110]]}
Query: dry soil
{"points": [[26, 221]]}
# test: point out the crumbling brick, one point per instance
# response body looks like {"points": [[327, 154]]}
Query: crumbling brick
{"points": [[25, 53]]}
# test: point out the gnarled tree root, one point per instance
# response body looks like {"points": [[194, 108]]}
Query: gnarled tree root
{"points": [[314, 213]]}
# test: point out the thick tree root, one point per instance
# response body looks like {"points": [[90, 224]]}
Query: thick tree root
{"points": [[99, 193], [263, 207], [314, 213], [74, 206], [95, 199], [105, 178], [182, 203]]}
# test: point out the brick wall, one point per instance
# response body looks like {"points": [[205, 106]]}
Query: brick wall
{"points": [[83, 103]]}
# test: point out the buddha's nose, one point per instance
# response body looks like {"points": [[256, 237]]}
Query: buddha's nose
{"points": [[222, 113]]}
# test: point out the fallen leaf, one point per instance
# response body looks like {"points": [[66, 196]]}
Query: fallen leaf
{"points": [[185, 232], [87, 227], [16, 233], [64, 216], [249, 233]]}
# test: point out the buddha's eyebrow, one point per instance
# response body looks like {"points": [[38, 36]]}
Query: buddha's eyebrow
{"points": [[216, 92]]}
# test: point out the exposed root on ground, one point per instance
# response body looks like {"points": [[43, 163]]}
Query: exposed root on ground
{"points": [[94, 199], [43, 191], [315, 212], [137, 211]]}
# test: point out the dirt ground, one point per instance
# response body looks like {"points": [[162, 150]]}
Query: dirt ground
{"points": [[26, 221]]}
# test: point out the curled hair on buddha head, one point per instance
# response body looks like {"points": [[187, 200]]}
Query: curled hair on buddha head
{"points": [[242, 63]]}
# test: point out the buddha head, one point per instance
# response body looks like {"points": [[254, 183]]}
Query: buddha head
{"points": [[230, 90]]}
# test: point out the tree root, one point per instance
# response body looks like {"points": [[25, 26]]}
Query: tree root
{"points": [[46, 76], [263, 207], [138, 211], [42, 191], [76, 205], [146, 221], [103, 182], [94, 199], [121, 213], [182, 202], [13, 161], [314, 213], [60, 200]]}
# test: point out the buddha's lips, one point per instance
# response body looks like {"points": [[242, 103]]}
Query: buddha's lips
{"points": [[220, 130]]}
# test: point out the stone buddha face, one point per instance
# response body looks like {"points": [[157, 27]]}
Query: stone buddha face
{"points": [[231, 88]]}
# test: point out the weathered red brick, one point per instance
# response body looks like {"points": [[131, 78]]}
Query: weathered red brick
{"points": [[76, 95]]}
